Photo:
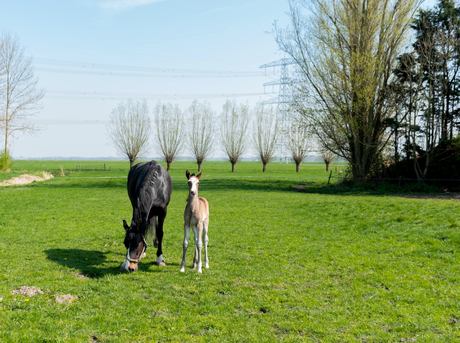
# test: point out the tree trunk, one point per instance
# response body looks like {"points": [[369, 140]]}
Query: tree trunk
{"points": [[297, 166], [6, 135], [327, 166], [131, 163], [233, 167], [265, 166], [168, 168], [199, 166]]}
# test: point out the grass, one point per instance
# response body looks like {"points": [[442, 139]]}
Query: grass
{"points": [[284, 265]]}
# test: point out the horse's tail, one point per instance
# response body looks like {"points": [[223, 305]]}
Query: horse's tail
{"points": [[152, 231]]}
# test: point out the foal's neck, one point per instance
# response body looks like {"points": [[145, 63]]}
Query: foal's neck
{"points": [[193, 202]]}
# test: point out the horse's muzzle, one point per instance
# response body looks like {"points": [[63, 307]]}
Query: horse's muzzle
{"points": [[129, 266]]}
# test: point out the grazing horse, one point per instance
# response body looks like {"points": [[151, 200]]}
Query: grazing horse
{"points": [[196, 216], [149, 189]]}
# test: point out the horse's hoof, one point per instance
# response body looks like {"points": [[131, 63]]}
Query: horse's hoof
{"points": [[161, 264]]}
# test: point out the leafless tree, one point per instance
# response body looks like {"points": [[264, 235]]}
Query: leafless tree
{"points": [[200, 129], [298, 141], [19, 93], [170, 131], [327, 156], [129, 129], [234, 130], [266, 133]]}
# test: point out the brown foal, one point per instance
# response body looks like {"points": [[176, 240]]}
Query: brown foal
{"points": [[196, 217]]}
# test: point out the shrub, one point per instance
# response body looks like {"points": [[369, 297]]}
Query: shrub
{"points": [[5, 161]]}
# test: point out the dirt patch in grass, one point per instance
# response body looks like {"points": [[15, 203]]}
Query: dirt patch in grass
{"points": [[25, 179], [81, 276], [67, 298], [94, 339], [28, 291]]}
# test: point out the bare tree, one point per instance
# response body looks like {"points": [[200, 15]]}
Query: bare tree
{"points": [[298, 141], [129, 129], [345, 51], [19, 95], [200, 133], [234, 130], [327, 156], [266, 133], [170, 131]]}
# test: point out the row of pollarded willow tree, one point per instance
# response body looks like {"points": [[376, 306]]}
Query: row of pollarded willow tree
{"points": [[196, 130]]}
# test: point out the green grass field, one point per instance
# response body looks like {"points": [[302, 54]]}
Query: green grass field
{"points": [[284, 265]]}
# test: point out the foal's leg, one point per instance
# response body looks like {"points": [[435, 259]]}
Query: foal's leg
{"points": [[185, 246], [195, 257], [206, 240], [198, 244]]}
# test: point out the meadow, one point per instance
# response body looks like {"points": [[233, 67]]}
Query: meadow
{"points": [[318, 265]]}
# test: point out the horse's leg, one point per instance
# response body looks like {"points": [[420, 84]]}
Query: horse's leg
{"points": [[185, 246], [152, 231], [149, 232], [205, 241], [159, 235]]}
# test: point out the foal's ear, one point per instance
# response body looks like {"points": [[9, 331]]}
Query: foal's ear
{"points": [[125, 225], [187, 173], [199, 175]]}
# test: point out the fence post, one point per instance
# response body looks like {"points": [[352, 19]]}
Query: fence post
{"points": [[104, 166], [329, 178]]}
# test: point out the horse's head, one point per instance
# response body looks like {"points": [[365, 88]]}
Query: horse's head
{"points": [[136, 245], [193, 182]]}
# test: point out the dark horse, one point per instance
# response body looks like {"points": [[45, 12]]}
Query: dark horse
{"points": [[149, 189]]}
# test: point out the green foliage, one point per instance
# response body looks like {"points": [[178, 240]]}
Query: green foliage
{"points": [[5, 161], [284, 265]]}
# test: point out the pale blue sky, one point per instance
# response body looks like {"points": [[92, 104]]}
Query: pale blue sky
{"points": [[91, 55]]}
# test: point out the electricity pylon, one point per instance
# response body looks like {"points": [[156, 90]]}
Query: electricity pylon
{"points": [[282, 101]]}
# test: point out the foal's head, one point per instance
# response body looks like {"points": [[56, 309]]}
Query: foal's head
{"points": [[193, 182]]}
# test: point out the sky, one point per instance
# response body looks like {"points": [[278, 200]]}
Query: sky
{"points": [[90, 56]]}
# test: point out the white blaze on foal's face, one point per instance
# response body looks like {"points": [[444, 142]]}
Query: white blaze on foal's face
{"points": [[193, 185]]}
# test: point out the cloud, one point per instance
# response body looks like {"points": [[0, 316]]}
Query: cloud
{"points": [[125, 4]]}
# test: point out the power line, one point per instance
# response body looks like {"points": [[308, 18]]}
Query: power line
{"points": [[109, 96], [92, 68]]}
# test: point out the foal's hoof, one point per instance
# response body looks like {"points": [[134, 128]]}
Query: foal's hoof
{"points": [[155, 243], [161, 264]]}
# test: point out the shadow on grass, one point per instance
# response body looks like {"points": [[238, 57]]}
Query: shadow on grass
{"points": [[267, 184], [82, 183], [408, 190], [88, 262], [91, 263]]}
